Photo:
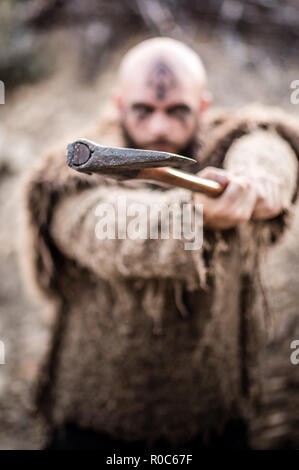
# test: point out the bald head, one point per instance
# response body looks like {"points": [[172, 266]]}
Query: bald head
{"points": [[161, 94], [181, 61]]}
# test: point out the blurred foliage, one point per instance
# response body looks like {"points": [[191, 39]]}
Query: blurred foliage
{"points": [[169, 16], [21, 49], [97, 26]]}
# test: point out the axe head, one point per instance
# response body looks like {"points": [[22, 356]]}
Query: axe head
{"points": [[121, 163]]}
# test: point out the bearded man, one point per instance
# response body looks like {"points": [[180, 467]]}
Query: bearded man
{"points": [[151, 342]]}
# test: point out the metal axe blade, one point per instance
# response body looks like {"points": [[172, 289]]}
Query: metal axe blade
{"points": [[87, 156], [125, 163]]}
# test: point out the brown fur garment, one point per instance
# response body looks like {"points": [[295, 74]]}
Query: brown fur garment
{"points": [[166, 351]]}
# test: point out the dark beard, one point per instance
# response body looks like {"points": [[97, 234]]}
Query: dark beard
{"points": [[190, 150]]}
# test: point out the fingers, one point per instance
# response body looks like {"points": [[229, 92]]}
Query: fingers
{"points": [[234, 206], [259, 195], [271, 200], [239, 199], [216, 174], [237, 203]]}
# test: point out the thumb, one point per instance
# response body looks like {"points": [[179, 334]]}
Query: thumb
{"points": [[216, 174]]}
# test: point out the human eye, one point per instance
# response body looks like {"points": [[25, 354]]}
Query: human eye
{"points": [[142, 110], [180, 111]]}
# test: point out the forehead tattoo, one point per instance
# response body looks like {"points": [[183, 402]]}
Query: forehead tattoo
{"points": [[161, 79]]}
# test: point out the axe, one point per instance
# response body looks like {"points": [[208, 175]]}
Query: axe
{"points": [[125, 163]]}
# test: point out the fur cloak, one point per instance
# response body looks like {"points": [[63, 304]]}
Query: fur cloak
{"points": [[150, 340]]}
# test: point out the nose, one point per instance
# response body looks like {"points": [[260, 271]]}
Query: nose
{"points": [[159, 125]]}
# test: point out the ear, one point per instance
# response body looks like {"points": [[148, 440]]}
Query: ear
{"points": [[118, 101], [205, 102]]}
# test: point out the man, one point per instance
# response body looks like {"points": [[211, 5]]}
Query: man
{"points": [[151, 342], [162, 109]]}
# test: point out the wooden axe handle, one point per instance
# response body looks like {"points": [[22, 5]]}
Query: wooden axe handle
{"points": [[182, 179]]}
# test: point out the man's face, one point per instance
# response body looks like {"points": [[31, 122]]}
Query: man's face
{"points": [[159, 111]]}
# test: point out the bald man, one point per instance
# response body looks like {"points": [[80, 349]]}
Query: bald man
{"points": [[162, 108], [154, 344]]}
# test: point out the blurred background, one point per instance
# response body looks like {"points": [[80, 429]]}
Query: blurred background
{"points": [[58, 60]]}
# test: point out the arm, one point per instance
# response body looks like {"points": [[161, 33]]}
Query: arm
{"points": [[262, 172], [74, 225]]}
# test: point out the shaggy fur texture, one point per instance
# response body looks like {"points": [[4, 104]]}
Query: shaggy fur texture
{"points": [[150, 340]]}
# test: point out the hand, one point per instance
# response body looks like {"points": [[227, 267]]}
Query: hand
{"points": [[256, 196], [270, 196], [235, 205]]}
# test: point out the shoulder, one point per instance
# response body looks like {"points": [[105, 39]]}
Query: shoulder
{"points": [[249, 117], [225, 126]]}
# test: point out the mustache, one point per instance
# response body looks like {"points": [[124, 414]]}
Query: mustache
{"points": [[158, 142], [190, 149], [131, 142]]}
